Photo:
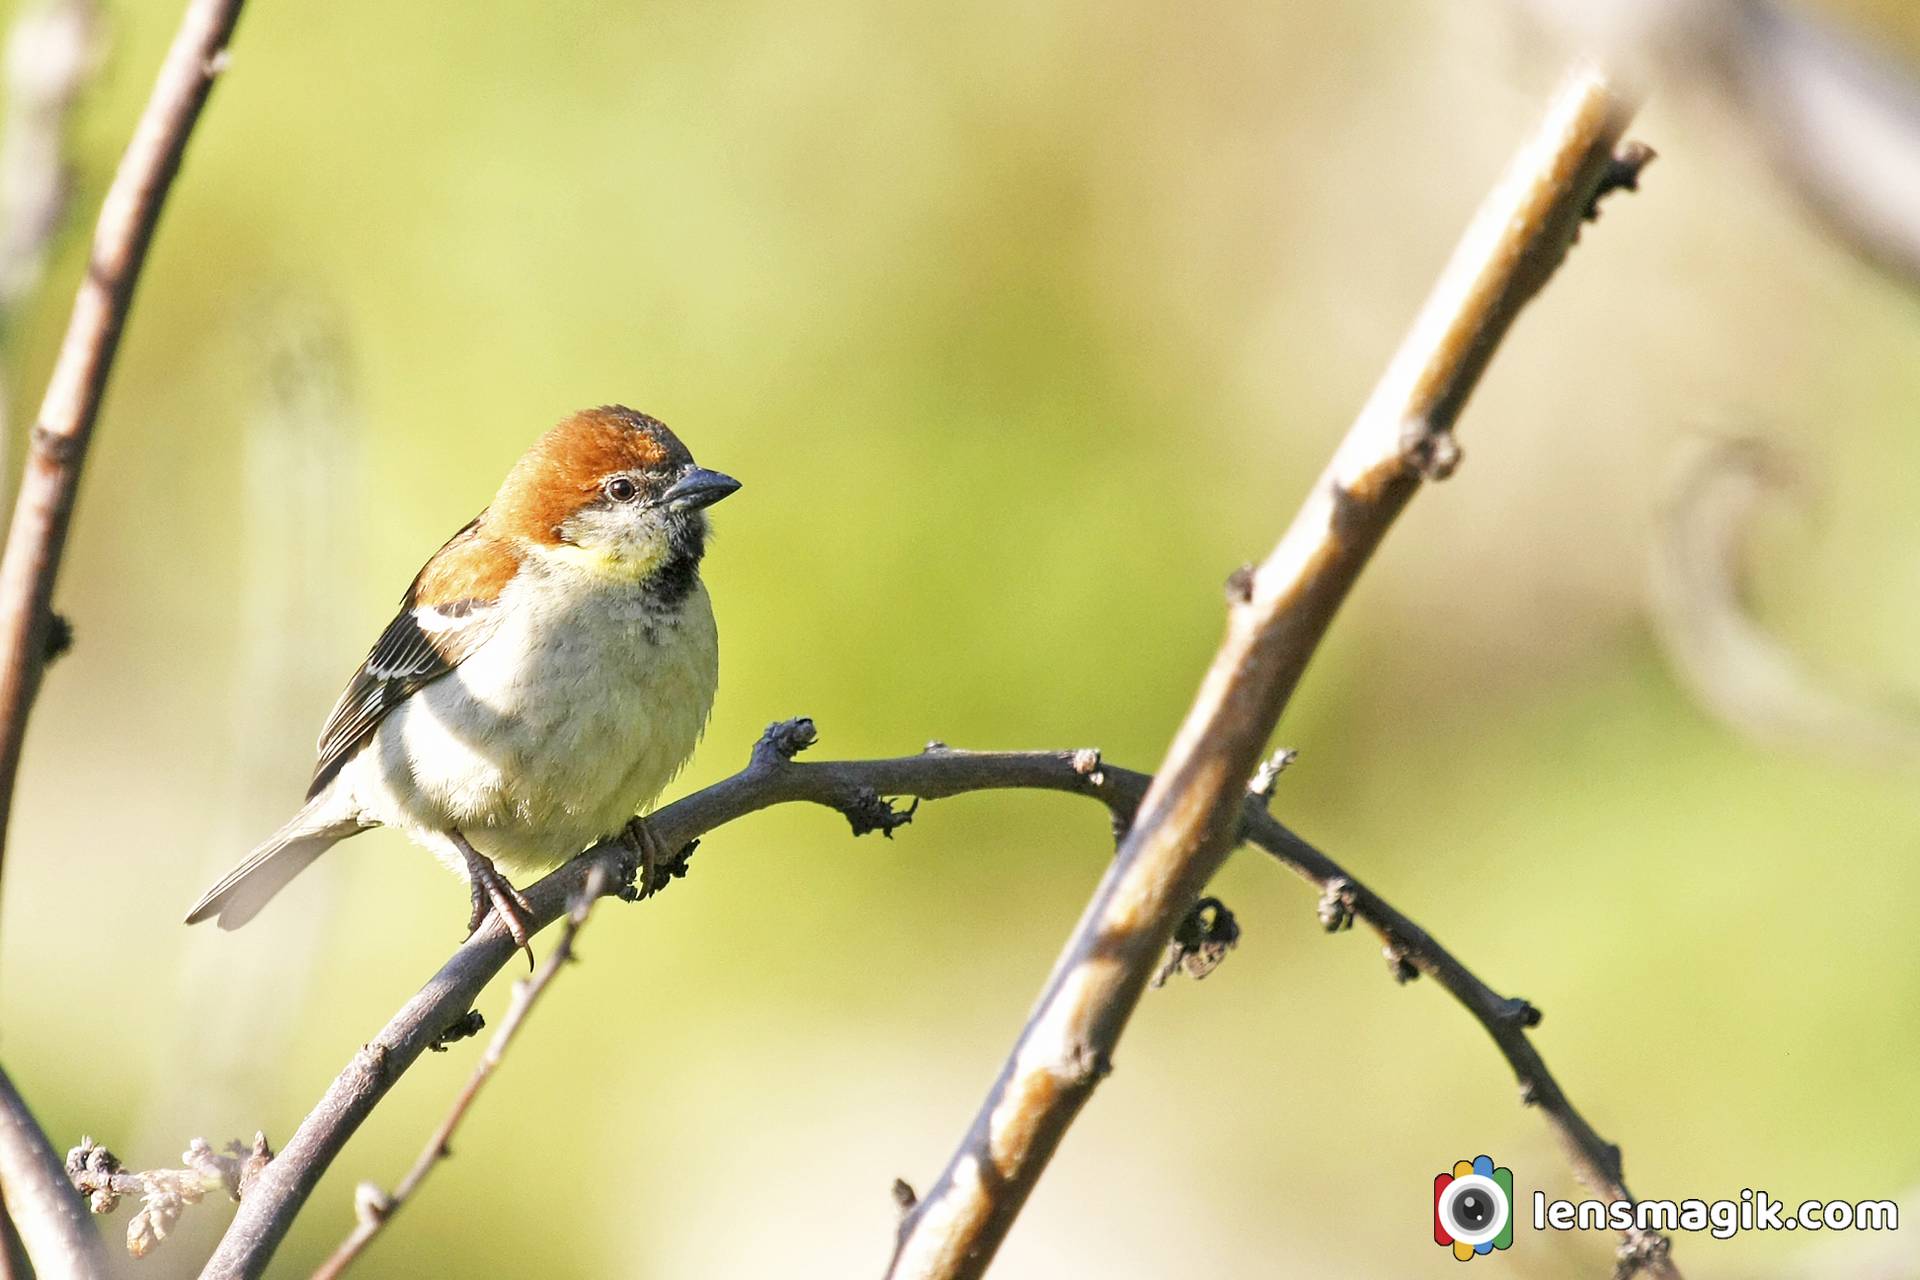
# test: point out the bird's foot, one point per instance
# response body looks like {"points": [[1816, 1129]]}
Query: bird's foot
{"points": [[491, 891], [655, 868]]}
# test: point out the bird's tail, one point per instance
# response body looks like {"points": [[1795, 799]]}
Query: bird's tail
{"points": [[285, 854]]}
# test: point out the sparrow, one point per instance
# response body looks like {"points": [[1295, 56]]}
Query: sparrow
{"points": [[550, 670]]}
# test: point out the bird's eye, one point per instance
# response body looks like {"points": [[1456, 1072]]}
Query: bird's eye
{"points": [[621, 489]]}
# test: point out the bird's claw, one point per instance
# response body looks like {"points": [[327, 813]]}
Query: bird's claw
{"points": [[653, 867], [492, 892], [650, 856]]}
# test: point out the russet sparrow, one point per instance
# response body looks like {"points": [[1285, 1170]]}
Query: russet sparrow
{"points": [[551, 668]]}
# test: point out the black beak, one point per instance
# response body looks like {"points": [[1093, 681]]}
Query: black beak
{"points": [[698, 488]]}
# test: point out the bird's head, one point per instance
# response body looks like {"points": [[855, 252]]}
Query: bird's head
{"points": [[612, 493]]}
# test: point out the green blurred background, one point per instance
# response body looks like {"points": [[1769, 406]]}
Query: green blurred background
{"points": [[1023, 323]]}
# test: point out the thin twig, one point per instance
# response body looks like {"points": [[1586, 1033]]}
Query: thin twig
{"points": [[854, 788], [1278, 613], [58, 447], [50, 1218], [375, 1207], [1410, 951]]}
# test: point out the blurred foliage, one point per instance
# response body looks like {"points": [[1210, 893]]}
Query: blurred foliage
{"points": [[1023, 324]]}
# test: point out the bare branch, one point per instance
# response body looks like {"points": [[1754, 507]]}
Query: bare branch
{"points": [[1411, 951], [58, 448], [376, 1208], [51, 1221], [1279, 612], [773, 777]]}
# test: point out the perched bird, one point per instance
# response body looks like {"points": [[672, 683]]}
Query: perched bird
{"points": [[551, 668]]}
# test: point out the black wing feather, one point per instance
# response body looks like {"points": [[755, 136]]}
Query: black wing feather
{"points": [[407, 656]]}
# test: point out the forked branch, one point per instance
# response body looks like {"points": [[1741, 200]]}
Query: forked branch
{"points": [[1279, 611]]}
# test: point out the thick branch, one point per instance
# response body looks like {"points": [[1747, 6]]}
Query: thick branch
{"points": [[44, 508], [855, 788], [1280, 610], [50, 1218]]}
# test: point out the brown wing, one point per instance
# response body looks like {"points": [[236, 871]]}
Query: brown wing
{"points": [[446, 614]]}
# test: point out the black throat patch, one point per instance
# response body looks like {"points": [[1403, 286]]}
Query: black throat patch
{"points": [[680, 571]]}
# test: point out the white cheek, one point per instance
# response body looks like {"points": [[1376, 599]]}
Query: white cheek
{"points": [[612, 542]]}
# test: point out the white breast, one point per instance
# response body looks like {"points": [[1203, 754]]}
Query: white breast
{"points": [[566, 722]]}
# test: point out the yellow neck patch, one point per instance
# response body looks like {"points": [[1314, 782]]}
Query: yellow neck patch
{"points": [[605, 563]]}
